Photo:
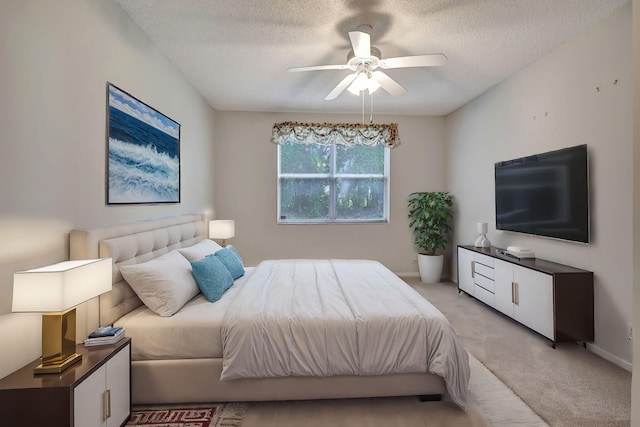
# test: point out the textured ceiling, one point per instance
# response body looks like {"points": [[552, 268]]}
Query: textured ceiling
{"points": [[236, 52]]}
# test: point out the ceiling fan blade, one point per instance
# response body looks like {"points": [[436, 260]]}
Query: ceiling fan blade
{"points": [[432, 60], [319, 67], [361, 43], [388, 84], [341, 87]]}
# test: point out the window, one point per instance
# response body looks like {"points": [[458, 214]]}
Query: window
{"points": [[331, 173], [332, 183]]}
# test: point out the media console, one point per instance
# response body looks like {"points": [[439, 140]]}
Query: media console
{"points": [[552, 299]]}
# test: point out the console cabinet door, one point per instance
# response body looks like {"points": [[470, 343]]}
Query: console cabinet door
{"points": [[118, 388], [534, 300], [102, 399], [503, 287], [465, 270], [88, 400]]}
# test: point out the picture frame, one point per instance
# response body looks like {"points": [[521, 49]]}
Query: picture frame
{"points": [[143, 152]]}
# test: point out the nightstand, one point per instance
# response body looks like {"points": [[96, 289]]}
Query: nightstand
{"points": [[94, 392]]}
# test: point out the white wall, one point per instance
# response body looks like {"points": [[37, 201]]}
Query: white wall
{"points": [[635, 380], [555, 103], [56, 58], [246, 190]]}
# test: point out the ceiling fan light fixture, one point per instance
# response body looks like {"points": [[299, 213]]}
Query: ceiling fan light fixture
{"points": [[353, 90], [373, 85], [364, 81], [359, 84]]}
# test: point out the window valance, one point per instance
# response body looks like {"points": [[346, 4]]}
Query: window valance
{"points": [[341, 133]]}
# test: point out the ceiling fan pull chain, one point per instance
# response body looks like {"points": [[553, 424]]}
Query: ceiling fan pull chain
{"points": [[363, 109], [371, 117]]}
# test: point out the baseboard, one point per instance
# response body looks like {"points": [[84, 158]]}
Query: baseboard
{"points": [[412, 274], [627, 366], [417, 274]]}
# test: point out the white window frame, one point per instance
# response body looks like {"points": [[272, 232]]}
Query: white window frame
{"points": [[332, 176]]}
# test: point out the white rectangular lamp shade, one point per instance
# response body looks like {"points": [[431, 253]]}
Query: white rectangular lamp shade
{"points": [[222, 229], [61, 286]]}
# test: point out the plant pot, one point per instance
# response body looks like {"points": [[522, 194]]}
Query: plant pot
{"points": [[430, 267]]}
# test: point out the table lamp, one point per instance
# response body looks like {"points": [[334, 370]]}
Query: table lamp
{"points": [[56, 290], [222, 229]]}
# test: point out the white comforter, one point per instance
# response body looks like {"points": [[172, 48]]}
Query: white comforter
{"points": [[337, 317]]}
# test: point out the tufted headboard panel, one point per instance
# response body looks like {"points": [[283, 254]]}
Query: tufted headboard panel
{"points": [[133, 244]]}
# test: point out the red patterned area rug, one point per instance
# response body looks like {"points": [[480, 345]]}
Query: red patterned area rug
{"points": [[185, 415]]}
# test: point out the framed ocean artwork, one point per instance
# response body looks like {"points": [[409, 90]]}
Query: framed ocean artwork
{"points": [[143, 152]]}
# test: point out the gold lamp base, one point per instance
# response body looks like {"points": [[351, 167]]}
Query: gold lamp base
{"points": [[58, 342], [56, 368]]}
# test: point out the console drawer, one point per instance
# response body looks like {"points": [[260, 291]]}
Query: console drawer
{"points": [[484, 259], [484, 295], [484, 282], [486, 271]]}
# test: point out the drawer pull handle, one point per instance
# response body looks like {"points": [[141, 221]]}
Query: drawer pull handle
{"points": [[512, 292], [106, 405], [473, 269]]}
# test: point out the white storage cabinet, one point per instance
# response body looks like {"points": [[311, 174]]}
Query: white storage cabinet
{"points": [[554, 300]]}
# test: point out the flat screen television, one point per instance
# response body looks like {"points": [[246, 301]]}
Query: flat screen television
{"points": [[545, 194]]}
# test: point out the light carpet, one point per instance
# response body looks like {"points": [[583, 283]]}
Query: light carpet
{"points": [[499, 405], [566, 386]]}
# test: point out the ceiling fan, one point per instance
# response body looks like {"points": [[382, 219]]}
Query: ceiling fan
{"points": [[364, 60]]}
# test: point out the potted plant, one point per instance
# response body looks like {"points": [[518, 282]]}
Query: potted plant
{"points": [[430, 214]]}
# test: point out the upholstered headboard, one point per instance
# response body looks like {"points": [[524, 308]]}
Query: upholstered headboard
{"points": [[132, 244]]}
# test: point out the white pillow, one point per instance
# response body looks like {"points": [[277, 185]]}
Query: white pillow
{"points": [[164, 284], [200, 250]]}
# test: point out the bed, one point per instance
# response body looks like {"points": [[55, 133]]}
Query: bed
{"points": [[179, 358]]}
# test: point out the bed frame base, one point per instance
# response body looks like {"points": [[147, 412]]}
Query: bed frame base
{"points": [[430, 397], [198, 380]]}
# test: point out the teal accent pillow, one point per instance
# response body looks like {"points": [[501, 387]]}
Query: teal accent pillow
{"points": [[231, 261], [212, 277], [235, 251]]}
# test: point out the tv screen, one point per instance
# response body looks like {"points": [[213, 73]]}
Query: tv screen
{"points": [[545, 194]]}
